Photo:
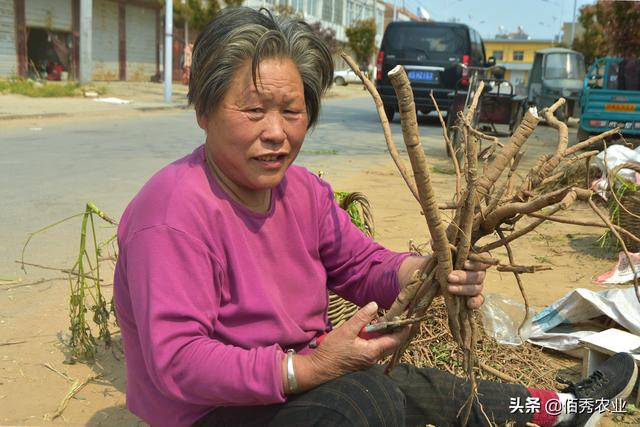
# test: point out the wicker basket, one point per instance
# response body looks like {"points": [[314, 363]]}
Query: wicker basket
{"points": [[629, 212], [341, 310], [627, 220]]}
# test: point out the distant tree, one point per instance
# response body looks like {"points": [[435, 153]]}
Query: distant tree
{"points": [[623, 27], [199, 12], [592, 44], [610, 28], [361, 39], [286, 10], [328, 35]]}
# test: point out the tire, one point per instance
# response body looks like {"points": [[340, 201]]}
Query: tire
{"points": [[516, 120], [562, 114], [456, 136], [390, 111], [582, 134], [340, 81]]}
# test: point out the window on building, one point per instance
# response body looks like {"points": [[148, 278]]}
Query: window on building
{"points": [[297, 5], [338, 9], [349, 13], [312, 7], [498, 54], [327, 9], [518, 55]]}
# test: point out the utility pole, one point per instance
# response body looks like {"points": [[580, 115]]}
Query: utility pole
{"points": [[85, 41], [168, 44], [573, 25]]}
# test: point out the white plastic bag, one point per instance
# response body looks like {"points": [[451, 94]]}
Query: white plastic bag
{"points": [[501, 318]]}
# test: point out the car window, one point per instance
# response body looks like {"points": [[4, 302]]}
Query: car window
{"points": [[564, 66], [476, 47], [536, 70], [433, 41]]}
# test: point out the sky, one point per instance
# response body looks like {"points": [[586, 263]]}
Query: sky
{"points": [[541, 19]]}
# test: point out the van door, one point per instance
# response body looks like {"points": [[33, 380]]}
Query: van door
{"points": [[430, 53], [477, 50], [535, 80]]}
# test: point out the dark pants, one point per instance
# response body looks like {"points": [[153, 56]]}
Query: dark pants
{"points": [[411, 396]]}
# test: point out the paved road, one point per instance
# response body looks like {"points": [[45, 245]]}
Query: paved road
{"points": [[50, 173]]}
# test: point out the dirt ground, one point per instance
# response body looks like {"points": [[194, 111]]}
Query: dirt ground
{"points": [[34, 316]]}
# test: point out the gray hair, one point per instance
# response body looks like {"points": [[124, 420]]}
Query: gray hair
{"points": [[238, 34]]}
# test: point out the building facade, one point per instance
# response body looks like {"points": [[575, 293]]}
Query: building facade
{"points": [[516, 56], [41, 39], [335, 14]]}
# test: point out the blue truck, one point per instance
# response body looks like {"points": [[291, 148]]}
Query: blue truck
{"points": [[611, 97]]}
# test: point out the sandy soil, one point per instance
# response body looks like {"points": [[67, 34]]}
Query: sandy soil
{"points": [[34, 315]]}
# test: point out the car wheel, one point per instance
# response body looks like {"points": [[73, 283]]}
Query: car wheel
{"points": [[582, 134], [390, 111], [456, 136], [517, 118], [340, 81], [562, 114]]}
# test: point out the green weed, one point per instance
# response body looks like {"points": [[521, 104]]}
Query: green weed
{"points": [[32, 88]]}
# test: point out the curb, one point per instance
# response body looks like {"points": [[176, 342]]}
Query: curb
{"points": [[143, 109]]}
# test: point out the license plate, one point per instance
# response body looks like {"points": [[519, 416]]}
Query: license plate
{"points": [[423, 76], [619, 107]]}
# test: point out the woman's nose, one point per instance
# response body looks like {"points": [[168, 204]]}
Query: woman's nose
{"points": [[273, 131]]}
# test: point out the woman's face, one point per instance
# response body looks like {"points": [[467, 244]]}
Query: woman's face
{"points": [[255, 134]]}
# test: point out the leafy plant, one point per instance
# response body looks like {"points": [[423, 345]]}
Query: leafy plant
{"points": [[85, 288], [27, 87], [621, 187], [361, 38]]}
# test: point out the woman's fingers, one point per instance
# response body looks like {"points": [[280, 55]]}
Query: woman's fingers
{"points": [[464, 277], [468, 290], [475, 301], [387, 343], [475, 266], [363, 316]]}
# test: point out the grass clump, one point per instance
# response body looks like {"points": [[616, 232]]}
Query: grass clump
{"points": [[46, 89]]}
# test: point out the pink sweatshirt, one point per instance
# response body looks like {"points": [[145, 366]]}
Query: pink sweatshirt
{"points": [[209, 294]]}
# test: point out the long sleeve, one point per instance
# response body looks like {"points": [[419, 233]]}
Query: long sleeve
{"points": [[358, 268], [175, 285]]}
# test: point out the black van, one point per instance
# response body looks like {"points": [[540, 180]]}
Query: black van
{"points": [[430, 52]]}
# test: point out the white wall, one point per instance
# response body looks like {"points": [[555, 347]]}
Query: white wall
{"points": [[50, 14], [104, 47], [8, 54], [141, 42]]}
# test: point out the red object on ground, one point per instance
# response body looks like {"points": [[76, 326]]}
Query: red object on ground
{"points": [[54, 71], [542, 417]]}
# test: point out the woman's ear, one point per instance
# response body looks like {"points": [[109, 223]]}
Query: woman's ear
{"points": [[202, 121]]}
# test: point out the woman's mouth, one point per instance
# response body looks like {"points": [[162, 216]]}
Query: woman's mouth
{"points": [[271, 161]]}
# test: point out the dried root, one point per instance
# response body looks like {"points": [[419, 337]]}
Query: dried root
{"points": [[487, 205]]}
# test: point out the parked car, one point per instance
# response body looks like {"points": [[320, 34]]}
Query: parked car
{"points": [[430, 53], [611, 97], [555, 73], [344, 77]]}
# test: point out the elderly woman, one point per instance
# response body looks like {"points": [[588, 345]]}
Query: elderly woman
{"points": [[226, 256]]}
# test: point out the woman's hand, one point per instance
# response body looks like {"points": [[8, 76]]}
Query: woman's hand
{"points": [[469, 282], [343, 351]]}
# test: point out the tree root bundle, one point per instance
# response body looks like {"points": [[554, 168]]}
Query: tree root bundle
{"points": [[492, 200]]}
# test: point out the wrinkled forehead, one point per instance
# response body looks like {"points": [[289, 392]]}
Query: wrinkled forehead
{"points": [[273, 76]]}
